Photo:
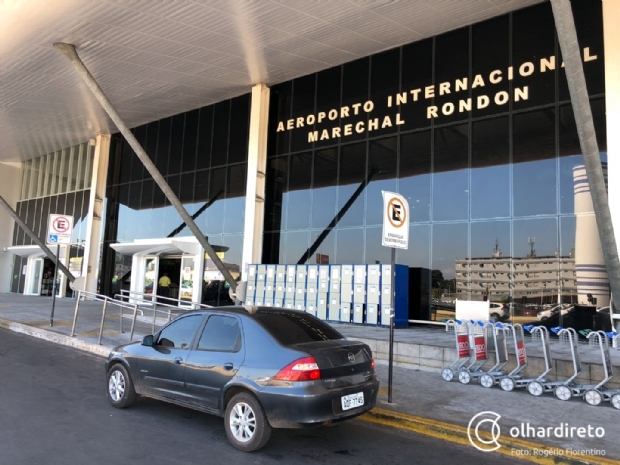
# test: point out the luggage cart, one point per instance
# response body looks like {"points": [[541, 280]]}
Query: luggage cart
{"points": [[594, 395], [515, 378], [568, 388], [539, 385], [615, 339], [478, 336], [493, 376], [463, 352]]}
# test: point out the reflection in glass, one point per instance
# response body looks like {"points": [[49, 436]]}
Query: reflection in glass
{"points": [[297, 242], [534, 170], [490, 174], [415, 174], [375, 252], [349, 246], [324, 187], [449, 249], [450, 178], [489, 270], [297, 198], [382, 158], [352, 173], [418, 253]]}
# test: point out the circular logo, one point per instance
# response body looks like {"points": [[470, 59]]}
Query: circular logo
{"points": [[473, 431], [396, 213], [61, 224]]}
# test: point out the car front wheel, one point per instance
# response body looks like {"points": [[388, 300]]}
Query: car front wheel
{"points": [[121, 392], [246, 425]]}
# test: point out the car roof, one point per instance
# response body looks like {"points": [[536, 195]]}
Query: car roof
{"points": [[247, 310]]}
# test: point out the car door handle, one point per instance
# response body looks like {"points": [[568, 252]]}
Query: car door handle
{"points": [[178, 361], [228, 366]]}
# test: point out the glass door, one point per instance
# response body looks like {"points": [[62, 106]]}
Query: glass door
{"points": [[151, 269], [186, 291], [36, 272]]}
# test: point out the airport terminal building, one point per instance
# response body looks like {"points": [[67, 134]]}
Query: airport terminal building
{"points": [[471, 122]]}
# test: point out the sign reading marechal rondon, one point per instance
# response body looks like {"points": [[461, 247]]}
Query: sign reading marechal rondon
{"points": [[395, 221]]}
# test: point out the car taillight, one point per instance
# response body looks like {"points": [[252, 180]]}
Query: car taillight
{"points": [[372, 364], [304, 369]]}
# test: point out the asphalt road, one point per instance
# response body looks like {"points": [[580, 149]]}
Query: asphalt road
{"points": [[53, 410]]}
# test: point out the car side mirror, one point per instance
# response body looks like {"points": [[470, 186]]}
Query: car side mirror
{"points": [[148, 340]]}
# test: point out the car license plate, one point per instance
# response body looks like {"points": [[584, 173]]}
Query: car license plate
{"points": [[352, 401]]}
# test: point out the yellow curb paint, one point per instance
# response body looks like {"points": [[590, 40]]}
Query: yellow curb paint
{"points": [[458, 434], [383, 391]]}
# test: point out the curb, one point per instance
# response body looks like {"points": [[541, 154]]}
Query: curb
{"points": [[530, 451], [56, 338], [526, 450]]}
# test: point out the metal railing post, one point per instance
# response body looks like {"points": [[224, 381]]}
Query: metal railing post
{"points": [[77, 304], [133, 323], [105, 305], [121, 308]]}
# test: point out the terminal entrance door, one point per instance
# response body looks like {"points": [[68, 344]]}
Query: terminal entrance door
{"points": [[34, 276], [149, 277]]}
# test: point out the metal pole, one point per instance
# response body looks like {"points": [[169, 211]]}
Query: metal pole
{"points": [[54, 284], [34, 238], [105, 304], [77, 305], [68, 50], [391, 355], [571, 53], [133, 323]]}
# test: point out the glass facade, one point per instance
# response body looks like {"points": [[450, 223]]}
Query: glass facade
{"points": [[475, 129], [56, 183], [202, 154]]}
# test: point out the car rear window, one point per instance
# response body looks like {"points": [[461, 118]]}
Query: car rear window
{"points": [[296, 328]]}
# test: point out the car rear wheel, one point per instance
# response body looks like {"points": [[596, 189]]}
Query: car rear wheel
{"points": [[246, 425], [121, 392]]}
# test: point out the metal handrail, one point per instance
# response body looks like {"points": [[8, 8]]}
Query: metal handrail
{"points": [[82, 295], [153, 303]]}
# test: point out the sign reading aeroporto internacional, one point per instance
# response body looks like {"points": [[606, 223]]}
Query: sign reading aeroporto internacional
{"points": [[395, 221], [59, 229], [419, 95]]}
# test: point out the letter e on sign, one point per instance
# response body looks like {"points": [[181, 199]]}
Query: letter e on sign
{"points": [[395, 221], [59, 229]]}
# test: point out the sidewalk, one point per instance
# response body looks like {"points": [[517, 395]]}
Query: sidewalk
{"points": [[422, 401]]}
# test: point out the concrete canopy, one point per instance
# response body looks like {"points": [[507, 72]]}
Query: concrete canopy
{"points": [[156, 59]]}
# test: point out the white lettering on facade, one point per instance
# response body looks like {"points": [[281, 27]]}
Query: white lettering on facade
{"points": [[478, 81], [447, 108], [587, 56], [398, 99], [547, 64], [521, 93], [464, 105], [526, 68], [461, 84], [482, 101], [495, 76]]}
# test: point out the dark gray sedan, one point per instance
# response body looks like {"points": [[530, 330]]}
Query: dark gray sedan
{"points": [[258, 367]]}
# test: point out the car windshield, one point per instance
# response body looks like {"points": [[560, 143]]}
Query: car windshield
{"points": [[295, 328]]}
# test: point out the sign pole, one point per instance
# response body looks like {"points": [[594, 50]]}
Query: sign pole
{"points": [[54, 284], [395, 235], [391, 356]]}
